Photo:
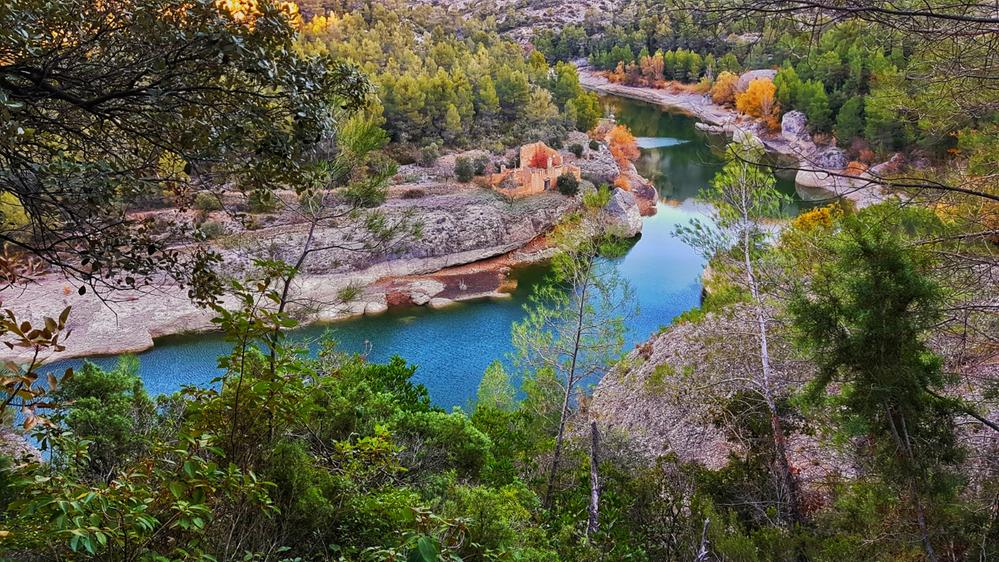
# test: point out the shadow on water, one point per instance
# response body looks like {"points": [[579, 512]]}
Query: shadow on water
{"points": [[452, 347]]}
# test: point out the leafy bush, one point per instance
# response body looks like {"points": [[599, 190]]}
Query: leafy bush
{"points": [[576, 149], [758, 101], [112, 411], [599, 198], [210, 230], [723, 90], [463, 169], [567, 184], [429, 155], [481, 163], [207, 202], [261, 201]]}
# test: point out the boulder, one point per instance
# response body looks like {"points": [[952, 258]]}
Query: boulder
{"points": [[830, 158], [376, 307], [794, 125], [427, 286], [622, 214], [751, 75], [646, 196]]}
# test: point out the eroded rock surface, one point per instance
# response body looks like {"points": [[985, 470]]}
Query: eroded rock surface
{"points": [[458, 228], [622, 214], [668, 394]]}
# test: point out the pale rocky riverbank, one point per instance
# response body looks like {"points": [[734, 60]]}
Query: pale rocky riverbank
{"points": [[470, 240], [459, 228], [820, 170]]}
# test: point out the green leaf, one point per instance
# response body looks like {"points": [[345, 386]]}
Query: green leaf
{"points": [[426, 551]]}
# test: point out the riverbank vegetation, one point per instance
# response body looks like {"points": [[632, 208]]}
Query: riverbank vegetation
{"points": [[877, 93]]}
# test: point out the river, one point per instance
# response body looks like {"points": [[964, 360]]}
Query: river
{"points": [[452, 347]]}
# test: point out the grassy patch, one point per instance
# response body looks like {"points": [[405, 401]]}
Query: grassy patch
{"points": [[713, 302]]}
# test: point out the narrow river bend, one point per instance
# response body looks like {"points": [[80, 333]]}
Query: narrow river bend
{"points": [[452, 347]]}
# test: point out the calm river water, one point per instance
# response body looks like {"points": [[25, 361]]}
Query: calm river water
{"points": [[452, 347]]}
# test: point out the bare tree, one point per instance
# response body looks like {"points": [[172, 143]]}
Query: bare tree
{"points": [[593, 519], [575, 325], [743, 194]]}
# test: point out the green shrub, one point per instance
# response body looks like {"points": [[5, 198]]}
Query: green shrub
{"points": [[714, 301], [429, 155], [261, 201], [576, 149], [463, 169], [112, 411], [210, 230], [567, 184], [594, 145], [597, 199], [481, 163], [207, 201]]}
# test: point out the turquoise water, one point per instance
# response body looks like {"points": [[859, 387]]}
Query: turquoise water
{"points": [[452, 347]]}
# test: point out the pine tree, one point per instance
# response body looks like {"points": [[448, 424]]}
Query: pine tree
{"points": [[850, 120]]}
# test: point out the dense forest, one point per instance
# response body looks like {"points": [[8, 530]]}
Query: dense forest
{"points": [[885, 91], [865, 334], [453, 82]]}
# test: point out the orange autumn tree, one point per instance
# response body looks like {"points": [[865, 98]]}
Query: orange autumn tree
{"points": [[723, 90], [758, 101], [623, 146], [624, 149]]}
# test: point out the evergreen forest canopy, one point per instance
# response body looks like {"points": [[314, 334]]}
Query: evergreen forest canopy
{"points": [[923, 81], [869, 334]]}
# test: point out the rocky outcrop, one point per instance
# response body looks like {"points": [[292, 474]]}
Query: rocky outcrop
{"points": [[622, 215], [645, 193], [794, 131], [457, 228], [747, 77], [667, 393]]}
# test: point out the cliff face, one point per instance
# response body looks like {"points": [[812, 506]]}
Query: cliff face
{"points": [[458, 228]]}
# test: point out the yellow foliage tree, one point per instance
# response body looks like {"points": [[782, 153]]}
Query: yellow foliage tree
{"points": [[12, 215], [723, 90], [758, 101]]}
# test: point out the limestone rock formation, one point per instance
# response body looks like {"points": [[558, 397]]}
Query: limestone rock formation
{"points": [[458, 228], [793, 125], [622, 214], [666, 395], [751, 75]]}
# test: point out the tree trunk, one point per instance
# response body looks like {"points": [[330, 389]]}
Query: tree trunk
{"points": [[570, 381], [702, 551], [780, 447], [593, 523], [557, 453]]}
